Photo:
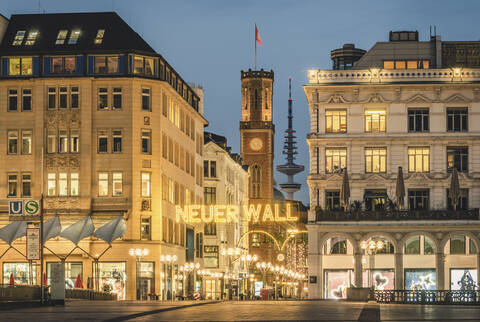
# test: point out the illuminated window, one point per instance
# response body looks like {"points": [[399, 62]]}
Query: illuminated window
{"points": [[12, 142], [335, 160], [375, 121], [51, 184], [424, 64], [375, 160], [20, 66], [210, 256], [171, 192], [32, 36], [26, 142], [12, 185], [389, 64], [209, 195], [74, 141], [62, 184], [412, 64], [17, 41], [144, 65], [61, 37], [400, 64], [117, 184], [74, 35], [74, 184], [63, 141], [419, 159], [51, 141], [336, 121], [145, 228], [99, 36], [103, 98], [63, 65], [210, 229], [457, 156], [106, 64], [103, 184], [146, 187]]}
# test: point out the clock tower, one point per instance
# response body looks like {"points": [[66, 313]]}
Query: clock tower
{"points": [[257, 133]]}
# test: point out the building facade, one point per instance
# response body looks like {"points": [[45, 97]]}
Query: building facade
{"points": [[407, 104], [113, 130]]}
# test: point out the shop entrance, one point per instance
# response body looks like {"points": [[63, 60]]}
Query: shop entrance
{"points": [[212, 289]]}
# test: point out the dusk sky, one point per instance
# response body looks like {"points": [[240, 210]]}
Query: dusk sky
{"points": [[208, 42]]}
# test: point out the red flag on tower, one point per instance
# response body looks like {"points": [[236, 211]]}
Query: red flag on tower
{"points": [[257, 36]]}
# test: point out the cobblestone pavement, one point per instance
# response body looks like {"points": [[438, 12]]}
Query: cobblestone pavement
{"points": [[242, 311]]}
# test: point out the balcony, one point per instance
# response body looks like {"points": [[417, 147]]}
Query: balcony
{"points": [[396, 215]]}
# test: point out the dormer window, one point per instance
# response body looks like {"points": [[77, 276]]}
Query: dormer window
{"points": [[99, 37], [61, 37], [32, 36], [17, 41], [74, 35]]}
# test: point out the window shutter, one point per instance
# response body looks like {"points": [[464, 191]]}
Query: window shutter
{"points": [[36, 66], [47, 65], [79, 65], [121, 63], [90, 65], [4, 66]]}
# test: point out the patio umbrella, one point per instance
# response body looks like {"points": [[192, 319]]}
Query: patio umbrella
{"points": [[78, 282], [454, 192], [13, 231], [12, 281], [400, 188], [45, 278], [79, 230], [345, 190], [112, 230], [51, 228]]}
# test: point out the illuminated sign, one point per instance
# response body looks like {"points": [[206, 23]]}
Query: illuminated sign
{"points": [[233, 213]]}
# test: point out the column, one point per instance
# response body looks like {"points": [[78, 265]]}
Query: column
{"points": [[478, 265], [358, 269], [399, 271], [440, 259]]}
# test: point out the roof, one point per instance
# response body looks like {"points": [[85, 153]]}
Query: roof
{"points": [[118, 36]]}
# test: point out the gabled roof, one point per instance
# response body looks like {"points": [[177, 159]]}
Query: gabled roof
{"points": [[118, 36]]}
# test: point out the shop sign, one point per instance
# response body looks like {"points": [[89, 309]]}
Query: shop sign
{"points": [[33, 243], [24, 207]]}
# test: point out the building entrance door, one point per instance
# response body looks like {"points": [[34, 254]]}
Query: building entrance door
{"points": [[144, 287], [375, 200], [212, 290]]}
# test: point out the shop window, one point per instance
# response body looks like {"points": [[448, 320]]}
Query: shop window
{"points": [[336, 121], [210, 256], [457, 157], [72, 271], [420, 279], [21, 273], [464, 279], [337, 282], [113, 278], [457, 245], [413, 245]]}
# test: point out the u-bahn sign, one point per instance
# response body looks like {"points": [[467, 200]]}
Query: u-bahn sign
{"points": [[26, 207]]}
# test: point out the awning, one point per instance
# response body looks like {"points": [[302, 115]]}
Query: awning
{"points": [[112, 230], [79, 230], [51, 228], [15, 230]]}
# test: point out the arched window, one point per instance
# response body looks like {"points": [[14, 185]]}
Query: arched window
{"points": [[338, 245], [246, 99], [256, 181], [266, 98], [413, 245]]}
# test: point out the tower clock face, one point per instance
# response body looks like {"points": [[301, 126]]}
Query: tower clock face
{"points": [[256, 144]]}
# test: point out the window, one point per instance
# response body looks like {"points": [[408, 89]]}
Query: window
{"points": [[117, 98], [428, 246], [26, 99], [103, 184], [209, 195], [61, 37], [102, 141], [418, 120], [375, 121], [336, 121], [17, 41], [171, 193], [74, 141], [146, 99], [63, 141], [375, 160], [164, 105], [335, 160], [164, 187], [457, 119], [406, 64], [256, 181], [332, 200], [213, 169], [51, 141], [146, 188], [26, 185], [12, 100], [62, 184], [51, 184], [117, 141], [74, 97], [27, 142], [62, 98], [63, 65], [205, 169], [12, 185], [177, 155], [144, 66], [199, 245], [255, 240], [52, 98], [457, 157], [12, 142], [99, 37], [418, 199], [389, 64], [419, 159], [338, 246], [74, 184], [462, 202], [472, 246], [146, 142], [145, 228], [210, 229], [457, 245], [164, 146], [412, 245], [210, 256], [117, 184], [21, 66], [106, 64], [74, 35], [103, 98]]}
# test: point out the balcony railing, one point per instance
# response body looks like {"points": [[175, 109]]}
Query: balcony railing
{"points": [[428, 297], [362, 215]]}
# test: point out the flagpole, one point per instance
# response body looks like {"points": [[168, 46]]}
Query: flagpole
{"points": [[255, 41]]}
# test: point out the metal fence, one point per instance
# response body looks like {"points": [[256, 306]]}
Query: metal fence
{"points": [[428, 297], [363, 215]]}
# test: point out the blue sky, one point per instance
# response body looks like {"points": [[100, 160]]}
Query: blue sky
{"points": [[208, 42]]}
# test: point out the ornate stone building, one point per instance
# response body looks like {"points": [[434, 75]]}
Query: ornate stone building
{"points": [[397, 106]]}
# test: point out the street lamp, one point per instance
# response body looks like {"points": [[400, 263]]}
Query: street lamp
{"points": [[230, 252], [277, 270], [138, 253], [187, 269], [249, 260], [264, 267], [370, 248], [168, 260]]}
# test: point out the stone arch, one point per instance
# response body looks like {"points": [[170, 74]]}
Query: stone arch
{"points": [[347, 236], [386, 235], [402, 242], [449, 235]]}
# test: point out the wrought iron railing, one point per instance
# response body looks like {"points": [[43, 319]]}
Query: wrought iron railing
{"points": [[428, 297], [362, 215]]}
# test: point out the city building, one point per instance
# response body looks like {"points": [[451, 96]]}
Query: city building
{"points": [[113, 130], [225, 183], [387, 131]]}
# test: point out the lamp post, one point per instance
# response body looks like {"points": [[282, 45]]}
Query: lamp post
{"points": [[371, 247], [230, 252], [264, 267], [187, 269], [249, 260], [168, 260], [277, 270], [138, 253]]}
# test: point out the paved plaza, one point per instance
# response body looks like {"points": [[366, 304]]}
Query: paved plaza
{"points": [[241, 311]]}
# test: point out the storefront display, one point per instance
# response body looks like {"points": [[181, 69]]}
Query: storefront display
{"points": [[381, 279], [420, 279], [21, 273], [113, 278], [463, 279], [146, 280], [337, 282]]}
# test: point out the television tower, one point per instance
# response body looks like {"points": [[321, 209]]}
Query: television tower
{"points": [[290, 149]]}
